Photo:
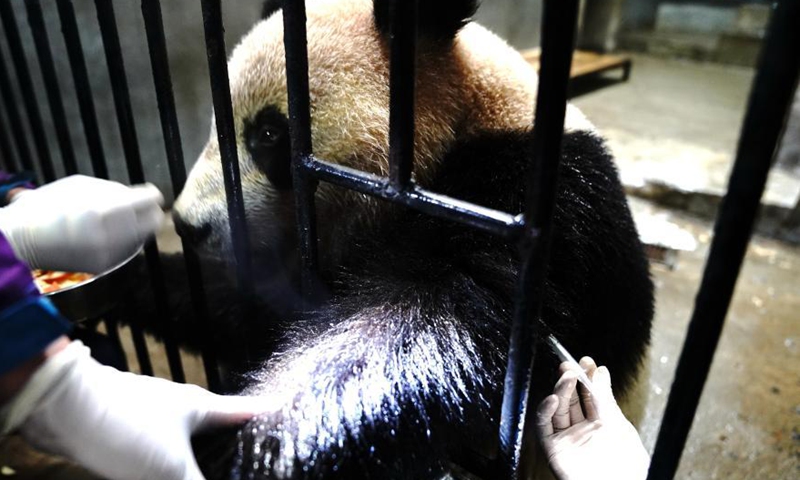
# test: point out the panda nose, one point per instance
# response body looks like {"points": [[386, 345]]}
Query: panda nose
{"points": [[193, 234]]}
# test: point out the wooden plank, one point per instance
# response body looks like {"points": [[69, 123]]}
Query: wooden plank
{"points": [[584, 62]]}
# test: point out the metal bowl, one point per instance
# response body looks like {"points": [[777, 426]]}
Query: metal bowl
{"points": [[95, 296]]}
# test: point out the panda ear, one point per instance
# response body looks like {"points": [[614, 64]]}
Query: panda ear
{"points": [[270, 7], [436, 19]]}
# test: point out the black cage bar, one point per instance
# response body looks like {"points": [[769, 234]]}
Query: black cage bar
{"points": [[558, 34], [23, 155], [42, 44], [226, 134], [154, 27], [28, 96], [8, 160], [775, 82], [83, 89], [767, 113], [133, 161], [532, 229]]}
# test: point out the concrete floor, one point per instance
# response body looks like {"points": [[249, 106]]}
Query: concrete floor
{"points": [[748, 421], [676, 123]]}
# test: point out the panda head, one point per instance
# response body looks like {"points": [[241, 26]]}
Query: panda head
{"points": [[468, 81]]}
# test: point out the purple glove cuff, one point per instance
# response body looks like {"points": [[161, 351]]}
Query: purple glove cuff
{"points": [[16, 282], [25, 178]]}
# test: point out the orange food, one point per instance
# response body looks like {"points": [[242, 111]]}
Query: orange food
{"points": [[48, 281]]}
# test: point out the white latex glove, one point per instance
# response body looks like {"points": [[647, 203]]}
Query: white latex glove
{"points": [[81, 224], [589, 437], [121, 426]]}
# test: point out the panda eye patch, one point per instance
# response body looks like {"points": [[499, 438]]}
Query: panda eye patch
{"points": [[266, 136]]}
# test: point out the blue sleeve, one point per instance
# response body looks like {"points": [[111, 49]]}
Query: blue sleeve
{"points": [[26, 329], [28, 321], [10, 181]]}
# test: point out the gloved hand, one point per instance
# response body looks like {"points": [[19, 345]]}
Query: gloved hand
{"points": [[592, 441], [118, 425], [81, 224]]}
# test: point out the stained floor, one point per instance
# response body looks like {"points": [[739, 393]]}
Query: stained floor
{"points": [[748, 421], [677, 123]]}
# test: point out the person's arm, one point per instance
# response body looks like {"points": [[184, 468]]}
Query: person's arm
{"points": [[81, 224], [586, 435], [14, 380], [118, 425], [28, 323]]}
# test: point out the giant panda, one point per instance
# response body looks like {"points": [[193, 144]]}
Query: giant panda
{"points": [[394, 369]]}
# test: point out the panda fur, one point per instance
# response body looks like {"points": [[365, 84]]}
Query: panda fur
{"points": [[395, 370]]}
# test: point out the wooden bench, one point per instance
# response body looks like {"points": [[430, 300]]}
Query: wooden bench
{"points": [[586, 63]]}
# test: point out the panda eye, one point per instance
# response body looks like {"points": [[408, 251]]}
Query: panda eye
{"points": [[267, 141], [268, 137]]}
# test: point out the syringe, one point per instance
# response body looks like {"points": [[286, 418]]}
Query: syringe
{"points": [[564, 356]]}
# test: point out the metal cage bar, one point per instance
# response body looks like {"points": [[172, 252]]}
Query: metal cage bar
{"points": [[48, 69], [431, 203], [559, 25], [130, 146], [226, 134], [767, 111], [154, 28], [559, 20], [18, 133], [28, 96], [294, 40], [7, 159], [403, 34], [83, 88], [306, 166]]}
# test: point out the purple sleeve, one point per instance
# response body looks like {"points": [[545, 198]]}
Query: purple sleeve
{"points": [[16, 281], [23, 179], [28, 321]]}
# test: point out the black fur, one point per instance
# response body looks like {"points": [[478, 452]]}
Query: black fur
{"points": [[401, 369], [267, 140], [269, 7], [436, 19]]}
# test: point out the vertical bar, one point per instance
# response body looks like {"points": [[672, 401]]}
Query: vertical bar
{"points": [[112, 328], [42, 43], [294, 40], [83, 89], [767, 111], [28, 95], [17, 132], [154, 28], [401, 95], [226, 133], [9, 161], [130, 145], [558, 33]]}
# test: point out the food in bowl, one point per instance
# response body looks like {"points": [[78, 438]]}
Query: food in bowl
{"points": [[49, 281]]}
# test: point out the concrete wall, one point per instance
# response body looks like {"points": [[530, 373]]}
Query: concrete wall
{"points": [[518, 21], [642, 13]]}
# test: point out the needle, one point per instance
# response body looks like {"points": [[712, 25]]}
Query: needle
{"points": [[564, 356]]}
